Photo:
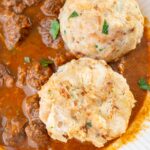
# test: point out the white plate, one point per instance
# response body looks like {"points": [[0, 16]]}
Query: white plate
{"points": [[145, 7]]}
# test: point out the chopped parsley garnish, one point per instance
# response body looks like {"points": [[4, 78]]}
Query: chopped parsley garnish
{"points": [[74, 14], [143, 84], [97, 47], [89, 124], [54, 29], [46, 62], [27, 59], [105, 27]]}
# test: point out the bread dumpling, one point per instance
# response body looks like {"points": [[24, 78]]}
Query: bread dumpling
{"points": [[86, 100], [102, 29]]}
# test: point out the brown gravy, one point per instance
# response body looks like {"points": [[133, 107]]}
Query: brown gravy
{"points": [[135, 66]]}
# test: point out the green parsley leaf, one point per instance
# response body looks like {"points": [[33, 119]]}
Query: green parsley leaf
{"points": [[46, 62], [54, 29], [74, 14], [105, 27], [101, 49], [143, 84], [27, 59], [97, 47], [88, 124]]}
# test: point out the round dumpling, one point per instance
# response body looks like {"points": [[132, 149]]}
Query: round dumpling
{"points": [[86, 100], [103, 29]]}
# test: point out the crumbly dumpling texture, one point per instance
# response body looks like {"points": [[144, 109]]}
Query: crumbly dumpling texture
{"points": [[86, 100], [103, 29]]}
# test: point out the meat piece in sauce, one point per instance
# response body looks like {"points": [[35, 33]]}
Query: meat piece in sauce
{"points": [[38, 75], [31, 2], [34, 76], [44, 31], [62, 58], [37, 133], [52, 7], [31, 107], [15, 5], [14, 132], [15, 28], [21, 77], [5, 77]]}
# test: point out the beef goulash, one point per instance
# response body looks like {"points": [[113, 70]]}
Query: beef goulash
{"points": [[55, 91]]}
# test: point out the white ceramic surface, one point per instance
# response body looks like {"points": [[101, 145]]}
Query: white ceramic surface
{"points": [[145, 7]]}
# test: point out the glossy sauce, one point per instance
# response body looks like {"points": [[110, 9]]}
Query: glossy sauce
{"points": [[135, 66]]}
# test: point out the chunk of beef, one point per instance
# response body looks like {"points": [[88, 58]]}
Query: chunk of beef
{"points": [[35, 131], [22, 73], [31, 2], [44, 31], [52, 7], [15, 5], [5, 77], [34, 75], [31, 107], [38, 75], [14, 132], [15, 28], [37, 134], [61, 59]]}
